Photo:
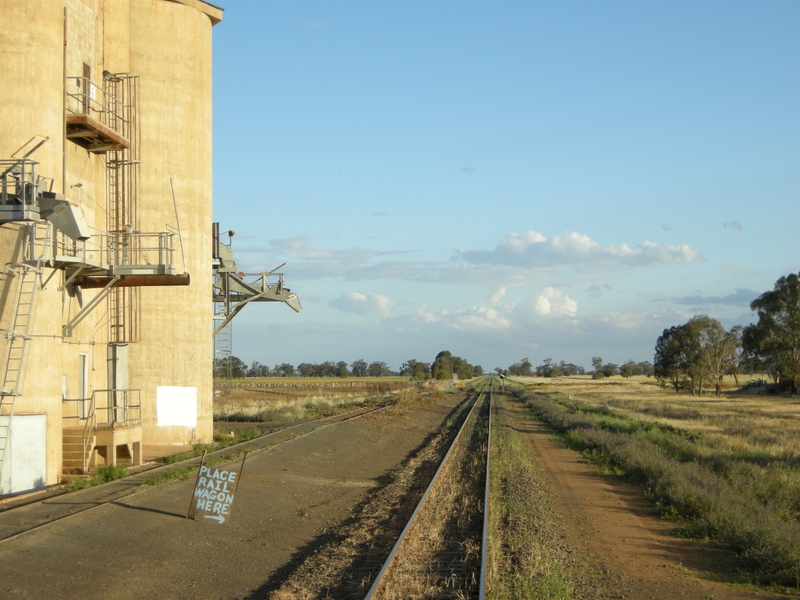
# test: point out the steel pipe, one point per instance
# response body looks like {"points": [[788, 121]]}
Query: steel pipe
{"points": [[89, 282]]}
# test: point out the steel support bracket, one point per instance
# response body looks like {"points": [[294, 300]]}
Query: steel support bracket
{"points": [[77, 272], [66, 330], [228, 318]]}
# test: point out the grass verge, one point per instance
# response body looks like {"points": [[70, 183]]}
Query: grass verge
{"points": [[714, 495], [525, 553], [290, 411], [221, 440], [103, 474]]}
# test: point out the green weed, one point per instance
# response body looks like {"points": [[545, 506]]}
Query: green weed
{"points": [[180, 473], [103, 474], [525, 556]]}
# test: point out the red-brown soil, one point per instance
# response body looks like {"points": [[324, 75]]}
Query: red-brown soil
{"points": [[608, 524]]}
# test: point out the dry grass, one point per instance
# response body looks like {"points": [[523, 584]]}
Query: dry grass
{"points": [[410, 399], [440, 556], [285, 411], [344, 567], [728, 468], [290, 401], [527, 557]]}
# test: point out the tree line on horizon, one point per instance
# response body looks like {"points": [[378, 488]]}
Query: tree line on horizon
{"points": [[444, 366], [702, 351], [550, 368]]}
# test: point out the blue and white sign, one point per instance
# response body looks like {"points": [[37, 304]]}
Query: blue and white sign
{"points": [[213, 494]]}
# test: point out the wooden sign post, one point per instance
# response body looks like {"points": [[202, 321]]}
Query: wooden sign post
{"points": [[214, 491]]}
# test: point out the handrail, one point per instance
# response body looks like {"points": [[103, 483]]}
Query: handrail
{"points": [[18, 181], [92, 418], [122, 406], [116, 412], [119, 407], [90, 422], [105, 250], [97, 102]]}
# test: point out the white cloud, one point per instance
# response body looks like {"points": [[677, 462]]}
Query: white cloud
{"points": [[491, 336], [552, 301], [497, 295], [423, 315], [364, 304], [532, 250], [518, 260], [476, 317], [481, 317]]}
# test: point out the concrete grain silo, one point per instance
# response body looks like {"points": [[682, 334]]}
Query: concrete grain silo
{"points": [[171, 52], [104, 308]]}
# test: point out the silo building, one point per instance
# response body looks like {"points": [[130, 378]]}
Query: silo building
{"points": [[105, 233]]}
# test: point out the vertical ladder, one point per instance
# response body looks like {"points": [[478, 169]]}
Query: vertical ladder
{"points": [[117, 307], [122, 191], [223, 342], [115, 191], [27, 272]]}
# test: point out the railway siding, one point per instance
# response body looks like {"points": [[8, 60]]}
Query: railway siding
{"points": [[439, 553]]}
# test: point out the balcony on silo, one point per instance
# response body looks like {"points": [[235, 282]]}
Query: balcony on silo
{"points": [[97, 117], [19, 188]]}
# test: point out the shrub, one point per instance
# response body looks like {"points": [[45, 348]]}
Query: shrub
{"points": [[718, 494]]}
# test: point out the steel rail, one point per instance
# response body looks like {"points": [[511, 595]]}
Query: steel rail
{"points": [[386, 565], [190, 462], [485, 539]]}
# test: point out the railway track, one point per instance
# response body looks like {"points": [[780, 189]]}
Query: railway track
{"points": [[20, 519], [441, 552]]}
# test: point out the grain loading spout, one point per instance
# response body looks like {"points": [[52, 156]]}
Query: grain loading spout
{"points": [[233, 290]]}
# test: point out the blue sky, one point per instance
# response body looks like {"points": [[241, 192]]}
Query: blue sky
{"points": [[504, 179]]}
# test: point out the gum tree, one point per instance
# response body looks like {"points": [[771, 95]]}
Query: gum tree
{"points": [[774, 341], [359, 368], [672, 356], [378, 369], [719, 350], [679, 352]]}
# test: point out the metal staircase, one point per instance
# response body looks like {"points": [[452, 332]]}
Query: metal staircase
{"points": [[25, 272]]}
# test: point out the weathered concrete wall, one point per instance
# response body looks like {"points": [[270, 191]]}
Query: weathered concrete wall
{"points": [[171, 51], [169, 45], [31, 51]]}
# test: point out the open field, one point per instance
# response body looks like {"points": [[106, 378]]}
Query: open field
{"points": [[317, 513], [288, 400], [725, 469]]}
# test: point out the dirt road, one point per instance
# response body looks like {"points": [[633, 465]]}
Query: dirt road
{"points": [[609, 526], [143, 547], [314, 497]]}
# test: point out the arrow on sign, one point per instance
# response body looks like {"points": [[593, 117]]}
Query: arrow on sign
{"points": [[219, 518]]}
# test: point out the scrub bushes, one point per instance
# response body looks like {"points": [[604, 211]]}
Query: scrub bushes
{"points": [[746, 499]]}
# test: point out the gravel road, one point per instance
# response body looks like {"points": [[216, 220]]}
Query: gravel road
{"points": [[141, 546]]}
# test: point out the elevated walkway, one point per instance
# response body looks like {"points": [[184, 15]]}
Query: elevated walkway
{"points": [[233, 290], [98, 117]]}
